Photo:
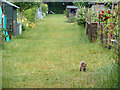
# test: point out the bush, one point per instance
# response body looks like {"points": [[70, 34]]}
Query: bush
{"points": [[81, 16], [44, 8], [71, 18], [94, 15], [65, 12], [30, 14]]}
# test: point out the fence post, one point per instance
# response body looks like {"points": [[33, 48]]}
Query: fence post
{"points": [[14, 27], [101, 34]]}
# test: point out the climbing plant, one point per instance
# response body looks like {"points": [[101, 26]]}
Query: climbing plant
{"points": [[110, 20]]}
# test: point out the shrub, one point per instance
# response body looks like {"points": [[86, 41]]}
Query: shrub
{"points": [[44, 8], [65, 12], [30, 14], [94, 15], [80, 16], [105, 15], [71, 18]]}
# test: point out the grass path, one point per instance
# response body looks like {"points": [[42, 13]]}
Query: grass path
{"points": [[49, 56]]}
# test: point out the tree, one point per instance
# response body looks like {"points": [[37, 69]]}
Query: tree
{"points": [[27, 5], [81, 4]]}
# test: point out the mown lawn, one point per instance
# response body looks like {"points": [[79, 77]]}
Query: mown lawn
{"points": [[48, 56]]}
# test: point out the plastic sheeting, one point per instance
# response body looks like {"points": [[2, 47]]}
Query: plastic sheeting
{"points": [[39, 13]]}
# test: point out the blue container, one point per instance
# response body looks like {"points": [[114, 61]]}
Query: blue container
{"points": [[0, 17]]}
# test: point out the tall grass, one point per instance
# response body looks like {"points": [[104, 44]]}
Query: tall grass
{"points": [[49, 56]]}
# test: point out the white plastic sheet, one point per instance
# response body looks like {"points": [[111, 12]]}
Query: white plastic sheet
{"points": [[39, 13]]}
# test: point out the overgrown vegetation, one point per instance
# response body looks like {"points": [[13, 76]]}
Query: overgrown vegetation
{"points": [[71, 18], [81, 16], [65, 12], [30, 14], [82, 4], [27, 5], [94, 15], [48, 56], [44, 8], [2, 37]]}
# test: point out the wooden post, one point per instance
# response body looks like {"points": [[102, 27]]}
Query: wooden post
{"points": [[86, 21], [100, 28], [90, 30], [13, 27], [99, 18]]}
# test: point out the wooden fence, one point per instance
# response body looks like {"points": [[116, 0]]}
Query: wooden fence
{"points": [[104, 38], [91, 31]]}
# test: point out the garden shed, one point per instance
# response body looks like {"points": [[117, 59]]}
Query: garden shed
{"points": [[72, 10], [10, 11]]}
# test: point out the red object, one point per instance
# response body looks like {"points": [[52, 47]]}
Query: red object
{"points": [[108, 11], [99, 17], [2, 19], [116, 11], [102, 11], [105, 17]]}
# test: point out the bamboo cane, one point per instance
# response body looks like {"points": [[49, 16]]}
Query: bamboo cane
{"points": [[111, 24]]}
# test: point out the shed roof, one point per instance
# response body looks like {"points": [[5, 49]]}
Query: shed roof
{"points": [[72, 7], [10, 4]]}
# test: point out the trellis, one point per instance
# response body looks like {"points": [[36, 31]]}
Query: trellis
{"points": [[106, 40]]}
